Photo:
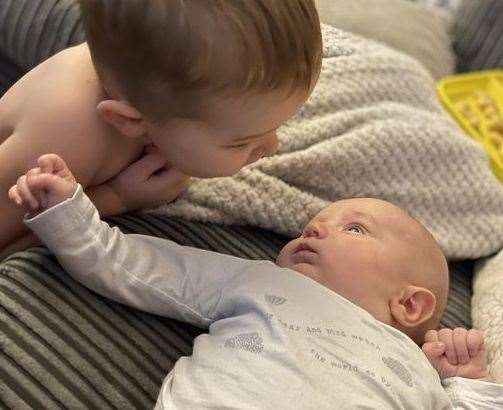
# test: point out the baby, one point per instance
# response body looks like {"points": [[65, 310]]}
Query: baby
{"points": [[162, 90], [333, 324]]}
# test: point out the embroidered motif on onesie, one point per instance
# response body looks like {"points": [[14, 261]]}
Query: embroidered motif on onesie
{"points": [[250, 342], [399, 369]]}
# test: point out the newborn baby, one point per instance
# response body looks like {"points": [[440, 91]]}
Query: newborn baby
{"points": [[335, 322], [378, 257]]}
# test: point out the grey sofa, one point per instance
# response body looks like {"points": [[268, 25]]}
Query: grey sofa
{"points": [[61, 345]]}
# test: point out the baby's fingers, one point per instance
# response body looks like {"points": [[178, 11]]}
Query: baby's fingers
{"points": [[445, 336], [25, 193], [38, 192], [460, 344], [474, 341], [52, 164], [433, 350], [14, 196], [431, 336]]}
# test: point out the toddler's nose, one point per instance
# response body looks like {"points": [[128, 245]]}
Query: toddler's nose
{"points": [[315, 230]]}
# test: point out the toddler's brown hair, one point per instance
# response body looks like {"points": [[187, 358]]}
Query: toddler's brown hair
{"points": [[152, 52]]}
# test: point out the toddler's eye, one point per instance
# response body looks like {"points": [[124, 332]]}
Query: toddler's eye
{"points": [[239, 146], [355, 229]]}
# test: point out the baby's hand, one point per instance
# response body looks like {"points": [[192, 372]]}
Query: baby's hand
{"points": [[457, 352], [45, 186]]}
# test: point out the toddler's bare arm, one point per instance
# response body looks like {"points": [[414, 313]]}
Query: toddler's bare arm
{"points": [[19, 153]]}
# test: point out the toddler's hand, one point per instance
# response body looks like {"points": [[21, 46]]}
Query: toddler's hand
{"points": [[148, 182], [457, 352], [45, 186]]}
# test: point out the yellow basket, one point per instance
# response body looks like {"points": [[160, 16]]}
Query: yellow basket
{"points": [[475, 100]]}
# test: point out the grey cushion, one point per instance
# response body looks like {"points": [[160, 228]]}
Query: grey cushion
{"points": [[479, 34], [9, 73], [33, 30]]}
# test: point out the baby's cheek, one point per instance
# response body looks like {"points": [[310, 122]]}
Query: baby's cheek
{"points": [[282, 258]]}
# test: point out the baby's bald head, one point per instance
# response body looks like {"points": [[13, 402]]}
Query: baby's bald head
{"points": [[377, 256]]}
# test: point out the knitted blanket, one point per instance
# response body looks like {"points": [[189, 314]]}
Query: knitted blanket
{"points": [[373, 128]]}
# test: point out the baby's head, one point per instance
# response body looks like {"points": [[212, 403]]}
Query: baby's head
{"points": [[206, 81], [378, 257]]}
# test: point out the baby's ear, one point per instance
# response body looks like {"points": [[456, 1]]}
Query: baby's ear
{"points": [[126, 119], [413, 306]]}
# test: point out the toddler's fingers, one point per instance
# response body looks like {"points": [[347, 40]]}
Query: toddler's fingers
{"points": [[445, 336], [150, 149], [150, 163], [459, 339], [474, 341], [25, 193], [170, 177]]}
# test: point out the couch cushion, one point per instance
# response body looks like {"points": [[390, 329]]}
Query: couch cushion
{"points": [[478, 35], [61, 345], [33, 30], [9, 73], [406, 26]]}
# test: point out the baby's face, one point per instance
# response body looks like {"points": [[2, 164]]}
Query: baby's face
{"points": [[230, 134], [357, 248]]}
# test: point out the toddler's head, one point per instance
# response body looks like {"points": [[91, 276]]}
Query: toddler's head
{"points": [[378, 257], [208, 82]]}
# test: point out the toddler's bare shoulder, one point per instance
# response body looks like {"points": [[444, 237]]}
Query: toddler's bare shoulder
{"points": [[57, 97]]}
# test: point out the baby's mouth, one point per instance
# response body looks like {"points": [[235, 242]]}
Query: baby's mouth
{"points": [[304, 253], [303, 247]]}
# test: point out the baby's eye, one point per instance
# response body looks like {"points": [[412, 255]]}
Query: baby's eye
{"points": [[355, 229]]}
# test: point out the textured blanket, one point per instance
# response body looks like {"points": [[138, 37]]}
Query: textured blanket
{"points": [[373, 128]]}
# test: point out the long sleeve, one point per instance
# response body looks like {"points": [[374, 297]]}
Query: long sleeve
{"points": [[152, 274], [468, 394]]}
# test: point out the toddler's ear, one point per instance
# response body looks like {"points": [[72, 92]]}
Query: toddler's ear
{"points": [[126, 119], [414, 306]]}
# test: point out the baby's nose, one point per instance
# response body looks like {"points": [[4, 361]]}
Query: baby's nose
{"points": [[315, 230]]}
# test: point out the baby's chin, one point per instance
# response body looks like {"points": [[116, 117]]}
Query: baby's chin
{"points": [[305, 269]]}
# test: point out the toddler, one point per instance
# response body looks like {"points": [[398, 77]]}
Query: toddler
{"points": [[162, 90], [335, 323]]}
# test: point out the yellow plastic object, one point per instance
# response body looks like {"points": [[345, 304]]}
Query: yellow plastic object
{"points": [[475, 100]]}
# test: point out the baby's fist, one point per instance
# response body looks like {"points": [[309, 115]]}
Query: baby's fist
{"points": [[457, 352], [45, 186]]}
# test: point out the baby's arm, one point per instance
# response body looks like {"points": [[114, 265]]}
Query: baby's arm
{"points": [[152, 274], [460, 359]]}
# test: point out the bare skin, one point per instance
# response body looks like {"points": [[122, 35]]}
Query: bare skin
{"points": [[53, 109]]}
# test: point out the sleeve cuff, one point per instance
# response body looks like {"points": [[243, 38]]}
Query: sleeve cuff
{"points": [[482, 393], [62, 218]]}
